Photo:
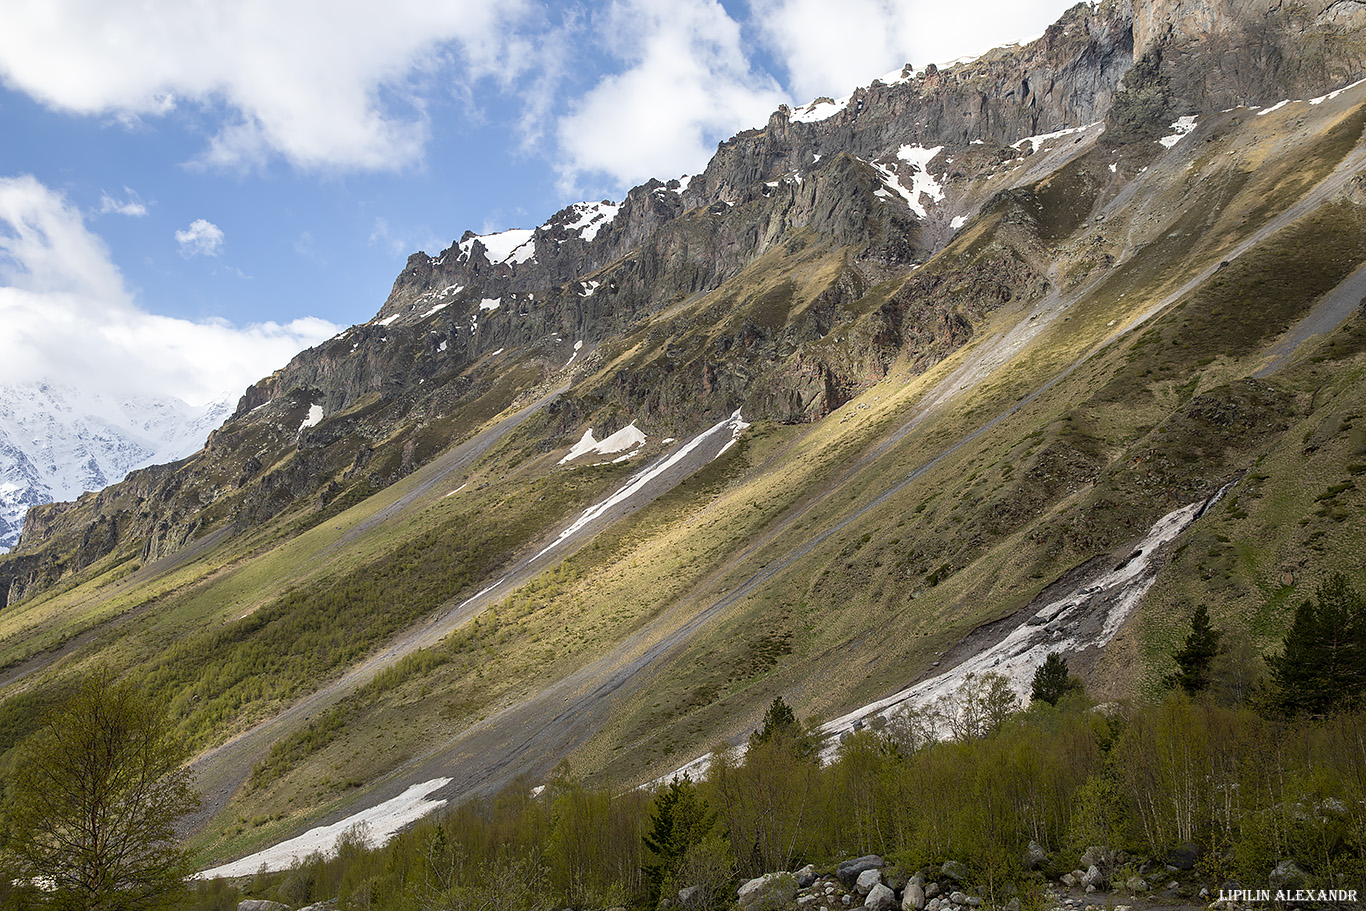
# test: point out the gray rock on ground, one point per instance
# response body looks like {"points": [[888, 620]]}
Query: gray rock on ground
{"points": [[913, 899], [1287, 873], [955, 871], [866, 880], [260, 904], [849, 871], [880, 898], [768, 892], [806, 876]]}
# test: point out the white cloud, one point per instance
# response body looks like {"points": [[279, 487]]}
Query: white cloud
{"points": [[323, 83], [132, 206], [201, 237], [68, 315], [686, 84], [829, 51]]}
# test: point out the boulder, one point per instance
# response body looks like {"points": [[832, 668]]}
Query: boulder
{"points": [[932, 889], [768, 892], [958, 898], [913, 899], [1096, 856], [1035, 856], [1136, 884], [849, 871], [260, 904], [1287, 873], [955, 871], [806, 876], [689, 896], [880, 898], [866, 880], [1094, 878], [1183, 858]]}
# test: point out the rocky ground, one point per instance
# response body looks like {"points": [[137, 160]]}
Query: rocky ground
{"points": [[1103, 880]]}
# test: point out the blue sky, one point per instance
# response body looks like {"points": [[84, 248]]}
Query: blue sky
{"points": [[190, 192]]}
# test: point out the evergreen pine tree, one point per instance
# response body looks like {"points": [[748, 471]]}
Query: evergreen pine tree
{"points": [[1052, 681], [680, 819], [1323, 664], [1193, 659], [779, 721]]}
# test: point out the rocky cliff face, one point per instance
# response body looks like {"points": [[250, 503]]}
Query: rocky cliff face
{"points": [[810, 239]]}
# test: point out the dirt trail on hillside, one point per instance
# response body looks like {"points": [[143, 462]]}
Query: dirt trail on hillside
{"points": [[529, 738]]}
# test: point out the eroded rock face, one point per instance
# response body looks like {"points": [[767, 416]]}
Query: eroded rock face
{"points": [[1221, 53]]}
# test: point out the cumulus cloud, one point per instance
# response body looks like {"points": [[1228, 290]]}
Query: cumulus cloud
{"points": [[202, 237], [131, 205], [686, 82], [69, 316], [324, 83], [829, 52]]}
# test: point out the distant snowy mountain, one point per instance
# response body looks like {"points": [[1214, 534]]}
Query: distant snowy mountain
{"points": [[57, 442]]}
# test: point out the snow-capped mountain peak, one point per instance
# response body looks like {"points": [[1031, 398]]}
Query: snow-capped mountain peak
{"points": [[56, 442]]}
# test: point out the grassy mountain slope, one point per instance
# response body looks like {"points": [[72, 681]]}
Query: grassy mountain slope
{"points": [[1116, 332]]}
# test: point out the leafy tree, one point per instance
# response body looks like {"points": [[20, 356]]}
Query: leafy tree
{"points": [[94, 799], [680, 820], [1323, 664], [982, 704], [1194, 659], [1052, 681]]}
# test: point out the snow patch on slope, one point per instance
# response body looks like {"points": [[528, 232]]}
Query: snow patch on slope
{"points": [[592, 217], [499, 247], [1180, 127], [628, 437], [922, 181], [631, 487], [1087, 617], [375, 826]]}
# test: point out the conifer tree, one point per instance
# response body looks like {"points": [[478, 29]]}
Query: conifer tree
{"points": [[1323, 664], [1193, 659], [779, 721], [1052, 680], [680, 819]]}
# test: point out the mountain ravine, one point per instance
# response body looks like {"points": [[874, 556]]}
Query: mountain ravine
{"points": [[894, 374]]}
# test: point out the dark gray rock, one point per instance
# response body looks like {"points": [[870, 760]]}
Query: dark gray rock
{"points": [[1035, 856], [1183, 857], [848, 872], [806, 876]]}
